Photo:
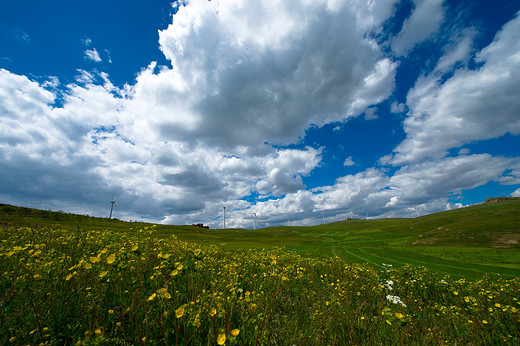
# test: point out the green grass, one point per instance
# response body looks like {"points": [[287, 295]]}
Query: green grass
{"points": [[466, 243], [133, 286]]}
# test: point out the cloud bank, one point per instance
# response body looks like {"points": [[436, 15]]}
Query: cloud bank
{"points": [[247, 79]]}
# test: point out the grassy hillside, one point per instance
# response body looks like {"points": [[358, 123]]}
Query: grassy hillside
{"points": [[466, 242], [68, 279]]}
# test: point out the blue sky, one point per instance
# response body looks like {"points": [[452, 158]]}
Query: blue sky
{"points": [[301, 111]]}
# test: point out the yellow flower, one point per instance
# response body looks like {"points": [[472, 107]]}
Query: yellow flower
{"points": [[456, 293], [484, 321], [95, 259], [175, 272], [17, 248], [253, 306], [179, 312], [135, 247], [162, 291], [180, 266], [212, 312], [103, 274], [111, 258], [111, 312], [37, 276], [68, 277], [152, 297], [88, 266], [235, 332], [399, 315], [197, 252], [97, 331], [221, 339]]}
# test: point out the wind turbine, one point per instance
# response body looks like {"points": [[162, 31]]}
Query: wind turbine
{"points": [[255, 217], [224, 206], [112, 206]]}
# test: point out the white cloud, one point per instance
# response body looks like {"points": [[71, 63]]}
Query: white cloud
{"points": [[92, 54], [370, 114], [471, 105], [397, 107], [247, 74], [421, 187], [424, 21], [458, 50], [516, 193], [349, 162]]}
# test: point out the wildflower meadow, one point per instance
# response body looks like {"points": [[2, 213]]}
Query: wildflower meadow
{"points": [[132, 287]]}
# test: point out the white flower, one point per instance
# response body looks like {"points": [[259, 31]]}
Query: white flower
{"points": [[395, 300]]}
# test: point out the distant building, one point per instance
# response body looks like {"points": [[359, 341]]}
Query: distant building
{"points": [[200, 225]]}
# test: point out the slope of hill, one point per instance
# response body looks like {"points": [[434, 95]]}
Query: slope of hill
{"points": [[466, 242]]}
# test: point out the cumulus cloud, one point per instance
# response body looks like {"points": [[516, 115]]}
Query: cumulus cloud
{"points": [[416, 188], [471, 105], [246, 74], [247, 78]]}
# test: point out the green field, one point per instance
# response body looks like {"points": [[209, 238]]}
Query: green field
{"points": [[466, 243], [446, 278]]}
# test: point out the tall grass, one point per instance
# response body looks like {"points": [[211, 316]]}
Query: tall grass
{"points": [[102, 287]]}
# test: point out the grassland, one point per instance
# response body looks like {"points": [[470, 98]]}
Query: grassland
{"points": [[448, 278], [465, 243]]}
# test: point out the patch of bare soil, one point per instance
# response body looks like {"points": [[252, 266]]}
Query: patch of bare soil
{"points": [[507, 240]]}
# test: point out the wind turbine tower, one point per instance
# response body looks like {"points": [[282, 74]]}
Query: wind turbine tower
{"points": [[255, 217], [112, 206], [224, 206]]}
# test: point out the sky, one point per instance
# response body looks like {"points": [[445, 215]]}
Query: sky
{"points": [[300, 111]]}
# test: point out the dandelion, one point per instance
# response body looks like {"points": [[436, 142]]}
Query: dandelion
{"points": [[68, 277], [456, 293], [88, 266], [484, 322], [221, 339], [253, 307], [179, 312], [235, 332], [399, 315], [103, 274], [213, 312], [197, 252], [97, 331], [152, 297], [175, 272], [110, 312]]}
